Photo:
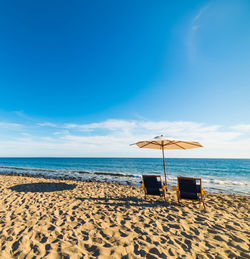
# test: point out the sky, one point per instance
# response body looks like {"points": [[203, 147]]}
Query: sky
{"points": [[88, 78]]}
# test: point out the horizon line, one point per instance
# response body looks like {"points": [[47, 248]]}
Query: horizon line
{"points": [[122, 157]]}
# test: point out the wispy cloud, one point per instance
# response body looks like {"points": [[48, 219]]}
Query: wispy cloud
{"points": [[200, 13], [112, 138], [61, 132], [46, 124], [10, 125], [195, 25], [118, 126]]}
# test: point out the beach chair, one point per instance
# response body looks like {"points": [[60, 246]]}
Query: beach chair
{"points": [[189, 189], [152, 185]]}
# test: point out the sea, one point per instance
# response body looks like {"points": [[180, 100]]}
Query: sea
{"points": [[230, 176]]}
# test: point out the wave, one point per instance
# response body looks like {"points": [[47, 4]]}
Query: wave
{"points": [[64, 172], [69, 171], [107, 173], [27, 168]]}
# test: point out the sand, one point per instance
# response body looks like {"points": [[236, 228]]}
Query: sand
{"points": [[48, 218]]}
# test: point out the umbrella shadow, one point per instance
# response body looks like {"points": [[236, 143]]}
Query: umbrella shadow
{"points": [[42, 187]]}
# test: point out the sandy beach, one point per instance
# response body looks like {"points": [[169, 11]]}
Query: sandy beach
{"points": [[49, 218]]}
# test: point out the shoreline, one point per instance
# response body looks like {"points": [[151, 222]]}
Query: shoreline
{"points": [[94, 175], [74, 179], [52, 218], [218, 176]]}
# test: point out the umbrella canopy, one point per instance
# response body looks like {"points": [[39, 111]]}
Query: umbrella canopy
{"points": [[161, 142]]}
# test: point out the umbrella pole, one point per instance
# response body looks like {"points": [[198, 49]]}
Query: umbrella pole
{"points": [[164, 167]]}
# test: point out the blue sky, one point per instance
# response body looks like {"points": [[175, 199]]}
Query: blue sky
{"points": [[76, 75]]}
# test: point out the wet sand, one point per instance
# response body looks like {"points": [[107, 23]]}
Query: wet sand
{"points": [[48, 218]]}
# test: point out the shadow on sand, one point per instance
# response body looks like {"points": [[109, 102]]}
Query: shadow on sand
{"points": [[127, 202], [42, 187]]}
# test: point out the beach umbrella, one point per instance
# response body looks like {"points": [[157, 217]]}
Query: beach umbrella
{"points": [[161, 142]]}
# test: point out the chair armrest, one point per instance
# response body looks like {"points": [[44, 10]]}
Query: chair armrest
{"points": [[164, 187], [142, 185], [203, 192], [175, 188]]}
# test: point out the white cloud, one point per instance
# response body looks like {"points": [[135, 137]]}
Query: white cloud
{"points": [[61, 132], [108, 124], [112, 138], [242, 127], [25, 134]]}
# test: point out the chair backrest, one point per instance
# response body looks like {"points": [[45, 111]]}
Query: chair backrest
{"points": [[153, 184], [188, 187]]}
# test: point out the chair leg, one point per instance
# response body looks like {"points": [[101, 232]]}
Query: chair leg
{"points": [[178, 198], [145, 194], [203, 202], [164, 196], [204, 205]]}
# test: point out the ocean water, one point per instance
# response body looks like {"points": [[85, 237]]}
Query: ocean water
{"points": [[218, 175]]}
